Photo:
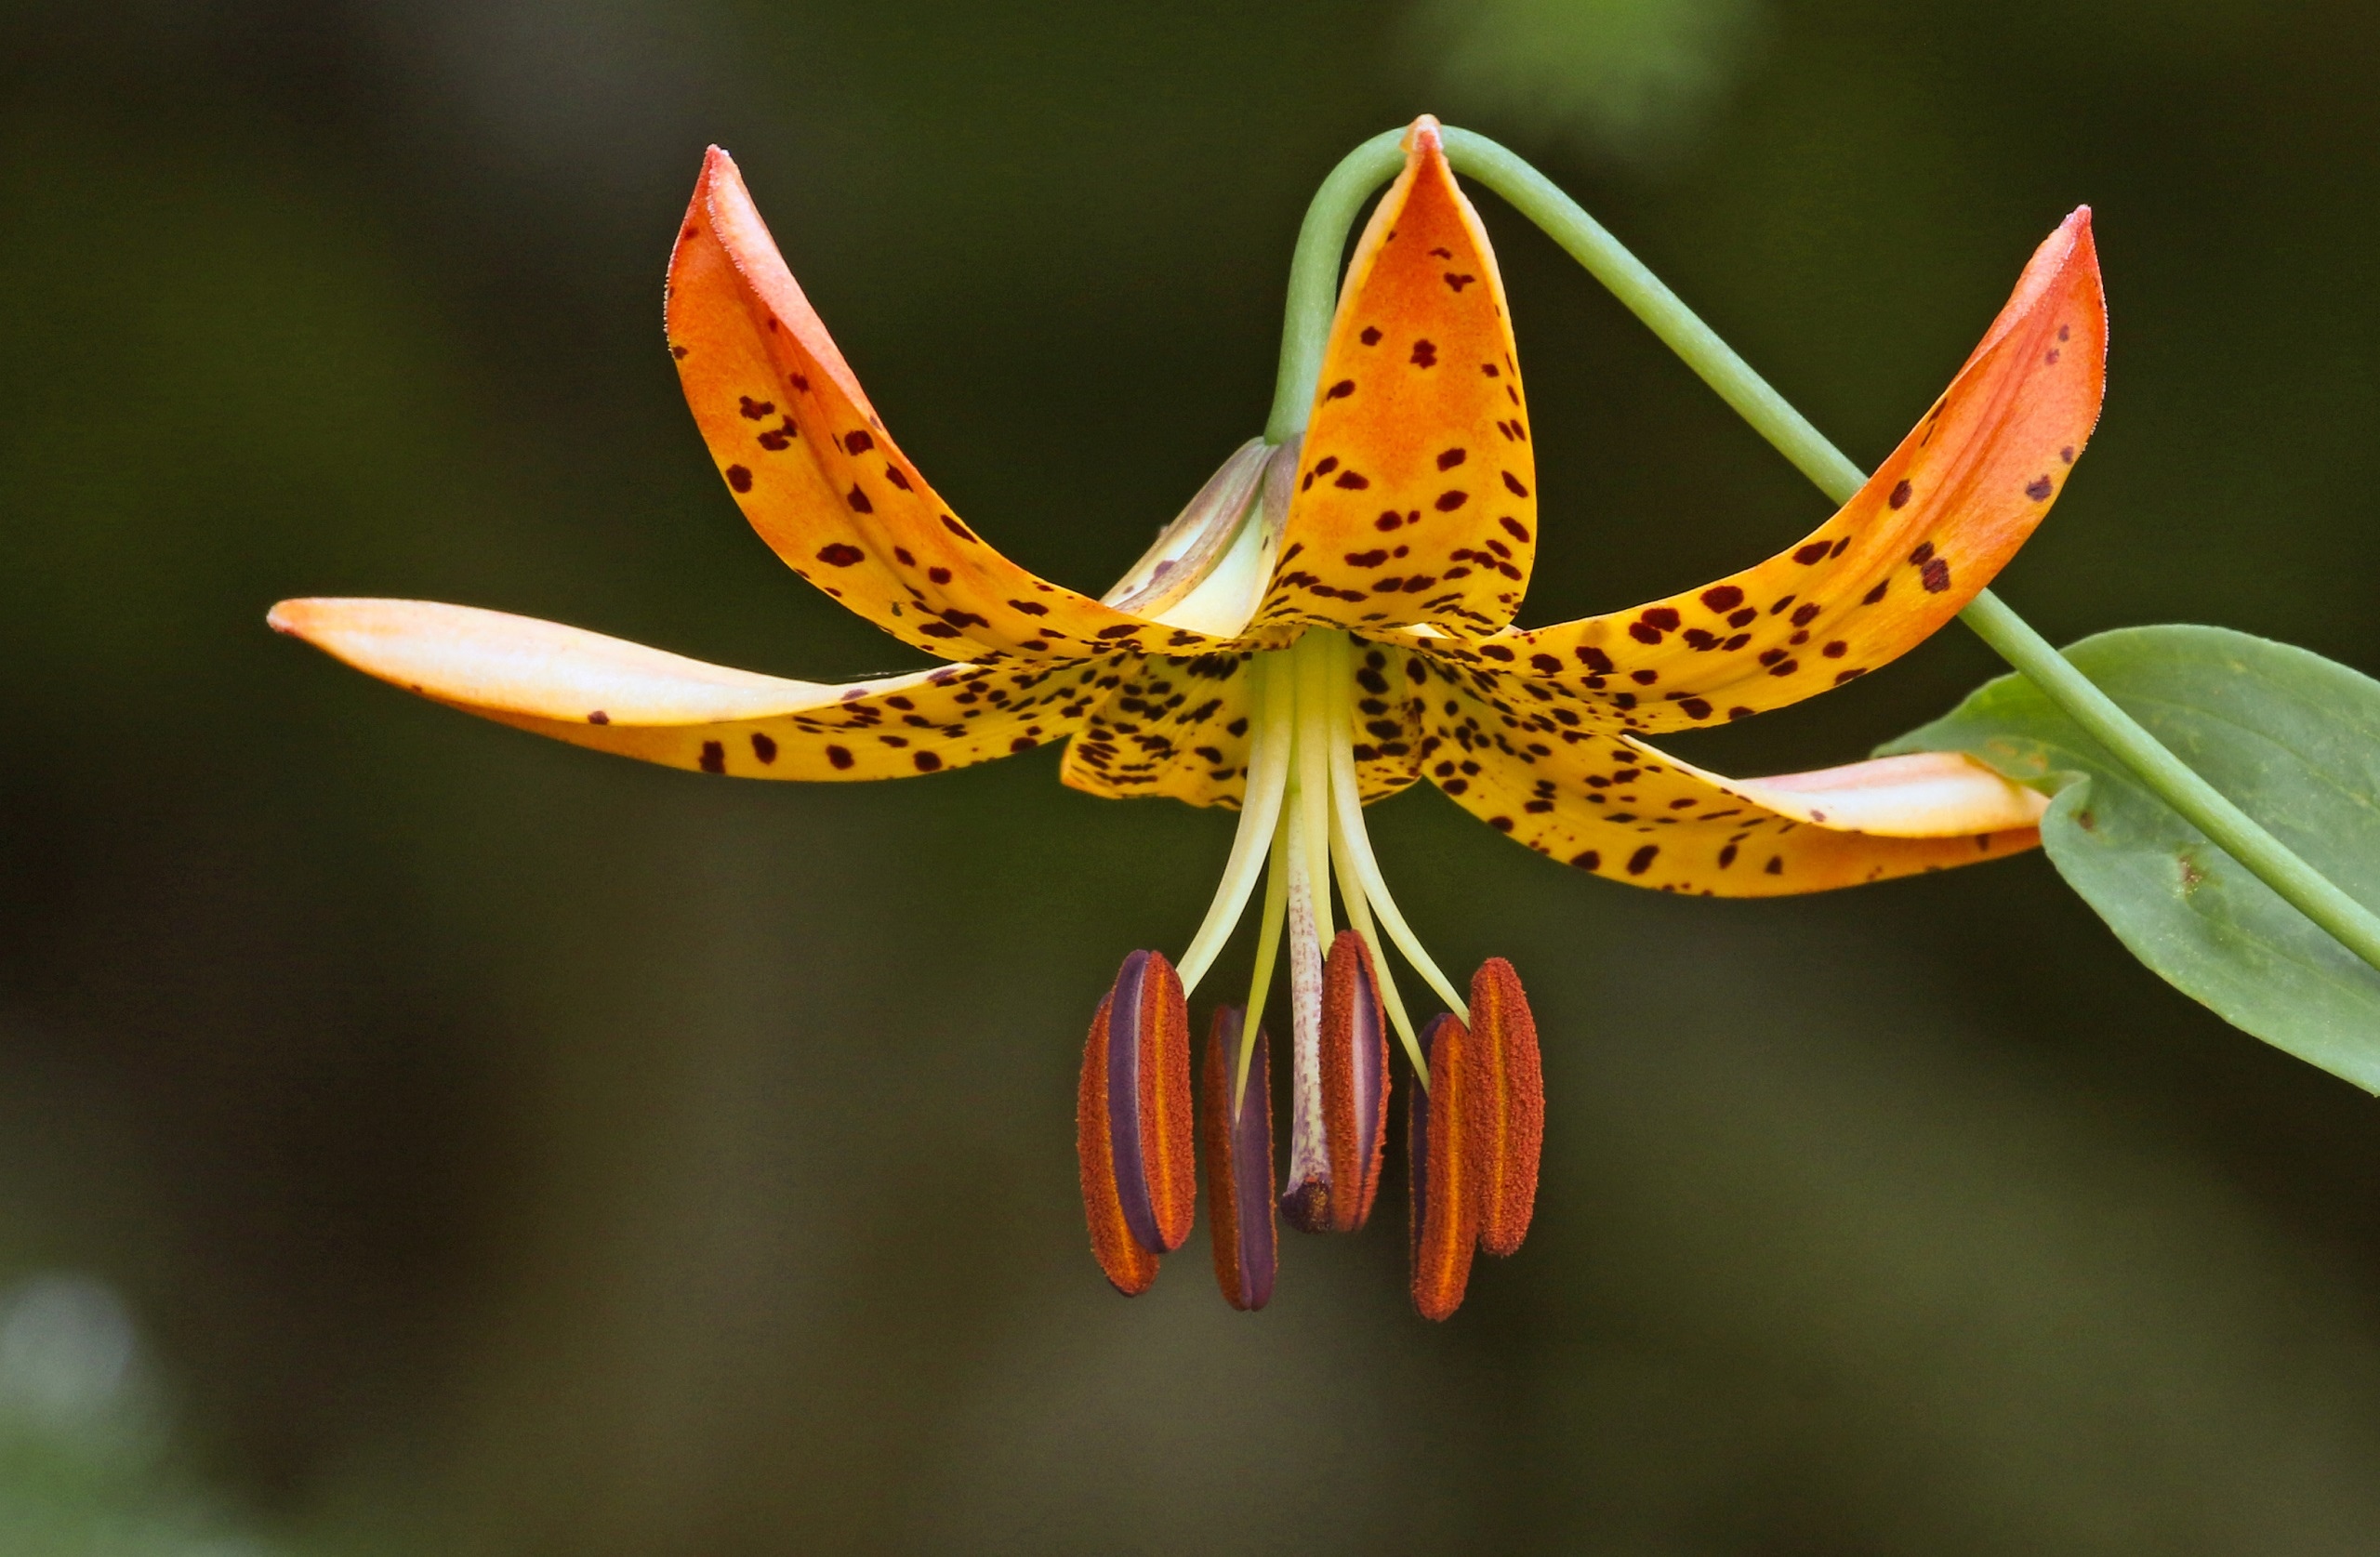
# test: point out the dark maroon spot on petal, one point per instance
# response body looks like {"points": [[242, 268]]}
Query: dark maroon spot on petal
{"points": [[859, 502], [1925, 553], [1371, 336], [1425, 354], [1835, 649], [1642, 861], [801, 384], [1459, 282], [2066, 455], [1449, 501], [753, 410], [1935, 575], [1900, 499], [1721, 597], [1850, 676], [893, 474], [599, 717], [1031, 608], [1366, 558], [1589, 860], [858, 443], [1340, 390], [1644, 632], [1738, 713], [1352, 481], [1727, 856], [1814, 552], [1785, 669], [2039, 489], [958, 530], [679, 353], [1597, 661], [764, 748], [1452, 457], [839, 554], [927, 761], [1495, 652], [1802, 617], [1516, 529], [1695, 708], [1389, 520], [838, 757], [1775, 865], [1547, 664], [739, 478], [714, 757], [1872, 596]]}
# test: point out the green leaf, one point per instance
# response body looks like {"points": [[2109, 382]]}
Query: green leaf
{"points": [[2292, 738]]}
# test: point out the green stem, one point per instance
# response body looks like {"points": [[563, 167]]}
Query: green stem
{"points": [[1313, 275]]}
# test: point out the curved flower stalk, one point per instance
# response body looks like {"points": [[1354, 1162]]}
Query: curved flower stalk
{"points": [[1328, 622]]}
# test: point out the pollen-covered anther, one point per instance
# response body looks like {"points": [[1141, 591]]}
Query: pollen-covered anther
{"points": [[1237, 1144], [1134, 1125], [1354, 1095], [1506, 1105], [1442, 1164]]}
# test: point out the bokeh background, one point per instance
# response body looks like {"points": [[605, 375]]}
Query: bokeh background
{"points": [[417, 1137]]}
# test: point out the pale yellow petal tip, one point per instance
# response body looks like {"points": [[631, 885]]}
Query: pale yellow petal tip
{"points": [[1926, 794], [1424, 138]]}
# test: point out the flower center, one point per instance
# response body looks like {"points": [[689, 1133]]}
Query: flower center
{"points": [[1301, 826]]}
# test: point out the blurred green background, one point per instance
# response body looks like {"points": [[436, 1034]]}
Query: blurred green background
{"points": [[416, 1136]]}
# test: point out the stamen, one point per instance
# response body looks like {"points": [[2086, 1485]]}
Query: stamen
{"points": [[1129, 1267], [1444, 1221], [1347, 801], [1149, 1122], [1508, 1105], [1268, 946], [1354, 1080], [1269, 750], [1351, 886], [1236, 1133]]}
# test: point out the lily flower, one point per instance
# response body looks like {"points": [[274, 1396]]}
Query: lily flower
{"points": [[1328, 622]]}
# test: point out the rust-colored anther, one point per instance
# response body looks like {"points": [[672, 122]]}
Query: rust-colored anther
{"points": [[1129, 1267], [1441, 1161], [1354, 1084], [1238, 1149], [1150, 1128], [1507, 1105]]}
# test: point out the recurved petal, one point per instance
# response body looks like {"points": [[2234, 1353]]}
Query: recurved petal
{"points": [[1612, 805], [1931, 528], [1165, 726], [1237, 1145], [623, 697], [821, 480], [1417, 500]]}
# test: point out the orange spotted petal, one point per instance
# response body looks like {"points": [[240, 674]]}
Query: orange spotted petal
{"points": [[623, 697], [1416, 500], [1131, 1267], [1931, 528], [1612, 805], [1442, 1225], [1165, 726], [821, 480], [1507, 1106]]}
